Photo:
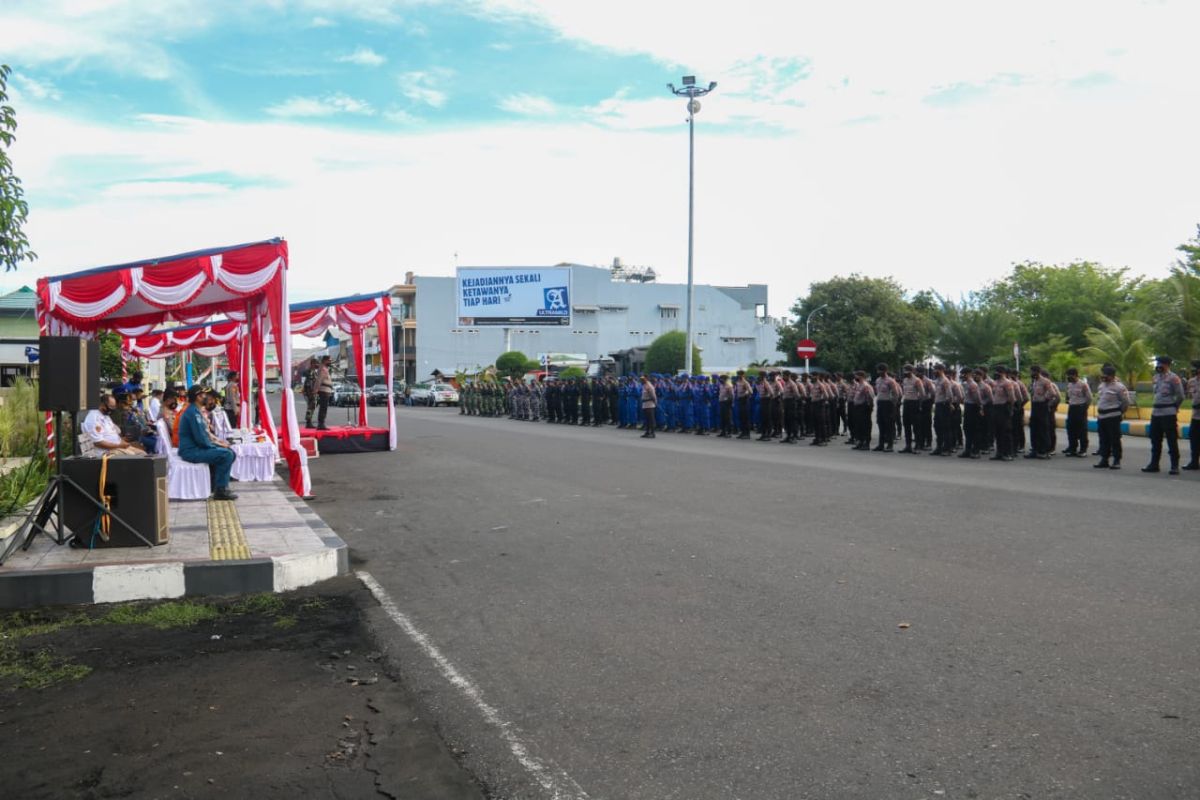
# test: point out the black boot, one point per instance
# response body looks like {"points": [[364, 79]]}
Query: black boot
{"points": [[1102, 465]]}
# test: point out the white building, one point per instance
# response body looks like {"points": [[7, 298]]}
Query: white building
{"points": [[612, 310]]}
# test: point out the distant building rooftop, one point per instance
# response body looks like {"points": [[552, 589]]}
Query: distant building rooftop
{"points": [[18, 302]]}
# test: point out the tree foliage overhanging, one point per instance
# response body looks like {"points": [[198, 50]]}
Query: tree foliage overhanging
{"points": [[14, 245], [1081, 314]]}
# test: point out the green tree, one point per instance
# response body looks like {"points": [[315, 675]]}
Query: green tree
{"points": [[665, 354], [14, 246], [1062, 300], [1123, 344], [110, 357], [572, 372], [514, 364], [867, 320], [973, 335]]}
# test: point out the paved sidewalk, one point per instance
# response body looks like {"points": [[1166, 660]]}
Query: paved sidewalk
{"points": [[287, 544]]}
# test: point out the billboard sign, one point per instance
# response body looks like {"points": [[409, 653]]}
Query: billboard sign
{"points": [[509, 296]]}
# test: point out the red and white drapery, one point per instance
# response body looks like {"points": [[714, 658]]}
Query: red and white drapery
{"points": [[226, 337], [353, 315], [246, 281]]}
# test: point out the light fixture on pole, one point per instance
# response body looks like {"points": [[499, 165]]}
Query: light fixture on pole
{"points": [[691, 91], [808, 320]]}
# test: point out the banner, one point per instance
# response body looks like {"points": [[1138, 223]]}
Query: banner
{"points": [[507, 296]]}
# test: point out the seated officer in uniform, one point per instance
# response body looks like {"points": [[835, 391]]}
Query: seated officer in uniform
{"points": [[104, 432], [196, 446]]}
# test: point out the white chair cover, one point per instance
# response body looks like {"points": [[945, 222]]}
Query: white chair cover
{"points": [[185, 480]]}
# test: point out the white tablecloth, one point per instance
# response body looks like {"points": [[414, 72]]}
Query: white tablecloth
{"points": [[255, 461]]}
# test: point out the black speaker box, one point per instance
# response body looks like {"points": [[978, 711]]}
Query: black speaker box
{"points": [[138, 488], [68, 373]]}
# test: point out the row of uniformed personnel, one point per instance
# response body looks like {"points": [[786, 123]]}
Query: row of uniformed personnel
{"points": [[980, 413]]}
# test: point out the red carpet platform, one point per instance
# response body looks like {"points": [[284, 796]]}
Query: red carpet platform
{"points": [[348, 439]]}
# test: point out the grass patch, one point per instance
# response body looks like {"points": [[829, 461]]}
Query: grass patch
{"points": [[21, 625], [266, 604], [314, 604], [39, 669], [285, 622], [175, 614]]}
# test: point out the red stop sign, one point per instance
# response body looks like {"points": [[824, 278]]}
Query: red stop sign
{"points": [[806, 348]]}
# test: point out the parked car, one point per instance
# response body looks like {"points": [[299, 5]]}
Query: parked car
{"points": [[422, 394], [274, 385], [377, 395], [444, 394], [345, 394]]}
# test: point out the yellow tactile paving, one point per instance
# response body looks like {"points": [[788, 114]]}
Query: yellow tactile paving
{"points": [[226, 539]]}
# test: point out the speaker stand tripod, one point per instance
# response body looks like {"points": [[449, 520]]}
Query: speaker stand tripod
{"points": [[46, 517]]}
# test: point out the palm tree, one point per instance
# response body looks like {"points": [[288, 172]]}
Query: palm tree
{"points": [[1184, 310], [1123, 344], [971, 335]]}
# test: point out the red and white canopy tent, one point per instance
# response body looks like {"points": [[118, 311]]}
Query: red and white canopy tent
{"points": [[245, 282], [353, 315]]}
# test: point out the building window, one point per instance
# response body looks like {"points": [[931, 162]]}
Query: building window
{"points": [[668, 312]]}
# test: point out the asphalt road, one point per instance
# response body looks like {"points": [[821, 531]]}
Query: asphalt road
{"points": [[701, 618]]}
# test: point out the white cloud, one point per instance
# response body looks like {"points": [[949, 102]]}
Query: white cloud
{"points": [[419, 86], [180, 189], [36, 89], [529, 105], [326, 106], [363, 57], [321, 22], [946, 200]]}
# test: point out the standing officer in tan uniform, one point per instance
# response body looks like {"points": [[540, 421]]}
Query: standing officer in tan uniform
{"points": [[1112, 398], [1004, 394], [743, 392], [1164, 416], [1079, 400], [912, 393], [649, 404], [1193, 392], [887, 394], [862, 400]]}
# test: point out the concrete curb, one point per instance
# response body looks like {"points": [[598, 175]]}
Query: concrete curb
{"points": [[114, 583], [1129, 427]]}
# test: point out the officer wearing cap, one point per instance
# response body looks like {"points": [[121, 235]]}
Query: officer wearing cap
{"points": [[1112, 398], [1193, 391], [1164, 416], [1079, 400]]}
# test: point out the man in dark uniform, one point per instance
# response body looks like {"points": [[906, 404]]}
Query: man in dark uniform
{"points": [[585, 401], [599, 402]]}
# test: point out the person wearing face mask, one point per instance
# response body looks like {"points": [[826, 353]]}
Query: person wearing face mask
{"points": [[1193, 391], [103, 431], [887, 393], [1168, 397], [1079, 400], [1112, 398]]}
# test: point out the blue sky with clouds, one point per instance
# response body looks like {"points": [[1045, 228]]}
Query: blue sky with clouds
{"points": [[935, 141]]}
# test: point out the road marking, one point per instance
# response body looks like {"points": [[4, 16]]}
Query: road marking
{"points": [[557, 783]]}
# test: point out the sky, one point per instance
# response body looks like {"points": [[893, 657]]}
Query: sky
{"points": [[936, 142]]}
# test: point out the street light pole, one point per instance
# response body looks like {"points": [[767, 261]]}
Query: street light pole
{"points": [[691, 91], [808, 320]]}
